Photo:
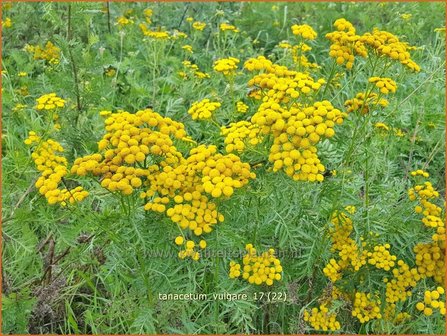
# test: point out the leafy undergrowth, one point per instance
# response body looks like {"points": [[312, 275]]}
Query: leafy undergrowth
{"points": [[284, 160]]}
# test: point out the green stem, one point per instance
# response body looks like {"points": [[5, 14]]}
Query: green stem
{"points": [[108, 17], [154, 70], [331, 75], [73, 64], [216, 282]]}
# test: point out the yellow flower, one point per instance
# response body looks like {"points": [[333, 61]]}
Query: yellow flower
{"points": [[359, 102], [148, 12], [381, 126], [49, 53], [237, 135], [123, 21], [241, 107], [203, 109], [53, 168], [387, 44], [199, 25], [321, 319], [257, 269], [158, 35], [187, 48], [105, 113], [227, 66], [284, 45], [305, 31], [176, 34], [385, 85], [7, 23], [179, 240], [228, 27], [49, 102], [406, 16], [19, 107]]}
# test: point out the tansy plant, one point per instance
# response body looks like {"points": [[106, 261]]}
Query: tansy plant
{"points": [[154, 163]]}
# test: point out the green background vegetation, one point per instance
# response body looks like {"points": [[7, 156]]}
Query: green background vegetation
{"points": [[105, 278]]}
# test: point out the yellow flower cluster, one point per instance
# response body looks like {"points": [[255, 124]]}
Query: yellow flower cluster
{"points": [[321, 319], [295, 128], [299, 58], [223, 173], [239, 133], [382, 126], [258, 64], [420, 172], [241, 107], [281, 84], [148, 12], [195, 212], [345, 43], [366, 308], [49, 102], [129, 139], [199, 25], [203, 109], [194, 69], [49, 53], [204, 172], [390, 313], [284, 45], [399, 287], [156, 34], [137, 152], [381, 257], [385, 85], [176, 34], [227, 66], [7, 23], [332, 270], [123, 21], [33, 138], [359, 103], [257, 269], [430, 259], [19, 107], [432, 300], [387, 44], [53, 168], [347, 248], [296, 132], [431, 212], [228, 27], [305, 31], [190, 246], [187, 48], [298, 52], [385, 128]]}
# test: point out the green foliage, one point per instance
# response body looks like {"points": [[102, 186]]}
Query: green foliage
{"points": [[16, 312], [108, 266]]}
